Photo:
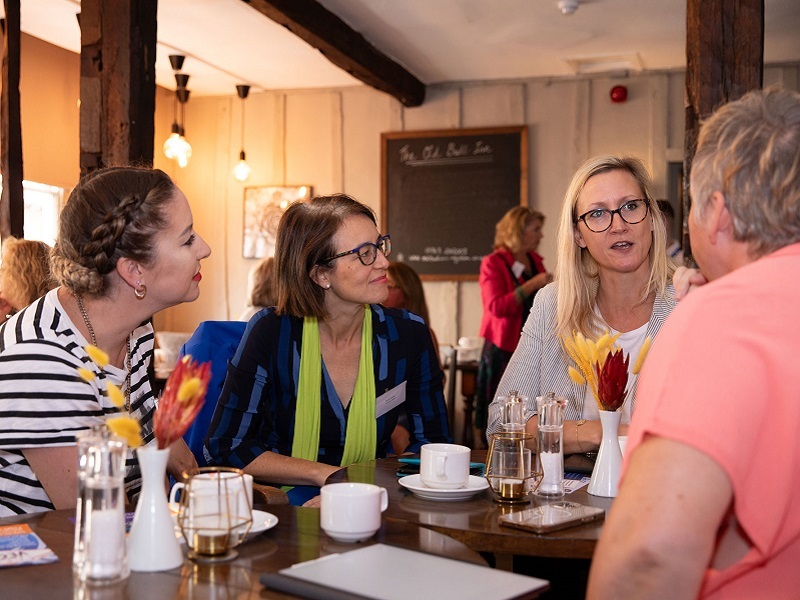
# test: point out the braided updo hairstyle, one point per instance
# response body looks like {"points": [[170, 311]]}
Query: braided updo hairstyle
{"points": [[112, 213]]}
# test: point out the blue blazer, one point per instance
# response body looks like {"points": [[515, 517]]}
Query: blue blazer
{"points": [[256, 410]]}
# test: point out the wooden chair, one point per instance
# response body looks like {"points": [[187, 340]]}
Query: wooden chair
{"points": [[265, 495]]}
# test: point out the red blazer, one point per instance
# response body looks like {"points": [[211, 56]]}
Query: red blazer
{"points": [[502, 316]]}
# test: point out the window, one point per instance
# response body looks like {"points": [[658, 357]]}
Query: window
{"points": [[42, 205]]}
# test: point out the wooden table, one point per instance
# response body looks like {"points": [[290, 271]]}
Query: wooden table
{"points": [[296, 538], [474, 522]]}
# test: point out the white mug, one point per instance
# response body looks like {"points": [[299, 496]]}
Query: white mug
{"points": [[351, 512], [444, 466], [210, 481]]}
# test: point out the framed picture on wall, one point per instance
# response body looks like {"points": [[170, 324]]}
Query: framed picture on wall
{"points": [[263, 207]]}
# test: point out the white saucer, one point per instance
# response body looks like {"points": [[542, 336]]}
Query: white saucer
{"points": [[261, 522], [475, 485]]}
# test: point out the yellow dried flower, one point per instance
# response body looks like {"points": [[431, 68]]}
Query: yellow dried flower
{"points": [[576, 376], [115, 395], [86, 374], [126, 428], [97, 355], [189, 389], [642, 355]]}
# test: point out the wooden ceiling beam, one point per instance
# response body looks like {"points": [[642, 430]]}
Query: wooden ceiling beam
{"points": [[343, 46]]}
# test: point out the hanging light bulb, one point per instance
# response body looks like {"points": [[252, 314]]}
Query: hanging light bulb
{"points": [[172, 143], [176, 147], [242, 170], [183, 150]]}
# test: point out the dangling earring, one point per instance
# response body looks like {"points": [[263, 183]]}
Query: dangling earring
{"points": [[141, 292]]}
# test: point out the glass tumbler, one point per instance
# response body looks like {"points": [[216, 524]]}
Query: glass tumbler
{"points": [[100, 553]]}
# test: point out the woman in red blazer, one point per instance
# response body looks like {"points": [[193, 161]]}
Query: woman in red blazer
{"points": [[509, 279]]}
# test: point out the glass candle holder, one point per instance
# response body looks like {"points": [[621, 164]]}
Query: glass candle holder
{"points": [[512, 467]]}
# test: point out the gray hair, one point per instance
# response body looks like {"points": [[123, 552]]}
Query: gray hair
{"points": [[749, 150]]}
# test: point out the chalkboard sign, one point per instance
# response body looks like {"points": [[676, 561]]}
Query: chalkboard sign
{"points": [[444, 191]]}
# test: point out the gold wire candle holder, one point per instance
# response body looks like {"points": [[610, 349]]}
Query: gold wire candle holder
{"points": [[512, 467], [215, 513]]}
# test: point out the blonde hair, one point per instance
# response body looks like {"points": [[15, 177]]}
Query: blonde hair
{"points": [[748, 150], [576, 273], [25, 271], [508, 231]]}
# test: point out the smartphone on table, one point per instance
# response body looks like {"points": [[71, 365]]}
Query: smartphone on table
{"points": [[552, 517]]}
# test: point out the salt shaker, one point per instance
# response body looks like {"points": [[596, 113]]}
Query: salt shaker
{"points": [[100, 554], [550, 411]]}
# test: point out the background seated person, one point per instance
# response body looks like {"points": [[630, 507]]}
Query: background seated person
{"points": [[613, 274], [406, 291], [24, 274], [318, 382], [262, 288]]}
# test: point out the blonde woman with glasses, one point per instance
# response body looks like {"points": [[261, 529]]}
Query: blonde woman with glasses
{"points": [[612, 274]]}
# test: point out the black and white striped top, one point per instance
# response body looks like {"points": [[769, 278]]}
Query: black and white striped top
{"points": [[540, 365], [43, 401]]}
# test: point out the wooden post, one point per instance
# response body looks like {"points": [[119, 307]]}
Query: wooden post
{"points": [[724, 60], [118, 83], [11, 202]]}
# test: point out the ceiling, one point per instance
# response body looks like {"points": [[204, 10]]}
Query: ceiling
{"points": [[228, 42]]}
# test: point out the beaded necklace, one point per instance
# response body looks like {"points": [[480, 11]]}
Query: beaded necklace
{"points": [[86, 320]]}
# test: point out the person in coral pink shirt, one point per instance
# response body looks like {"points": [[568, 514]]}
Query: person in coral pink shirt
{"points": [[709, 504]]}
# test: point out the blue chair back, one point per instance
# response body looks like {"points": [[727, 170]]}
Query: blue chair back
{"points": [[214, 341]]}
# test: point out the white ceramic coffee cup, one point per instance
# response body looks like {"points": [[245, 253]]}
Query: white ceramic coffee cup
{"points": [[210, 481], [351, 512], [444, 466]]}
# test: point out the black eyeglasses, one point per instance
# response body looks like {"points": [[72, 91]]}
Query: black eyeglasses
{"points": [[600, 219], [367, 252]]}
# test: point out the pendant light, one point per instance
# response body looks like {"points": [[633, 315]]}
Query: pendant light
{"points": [[177, 147], [242, 170]]}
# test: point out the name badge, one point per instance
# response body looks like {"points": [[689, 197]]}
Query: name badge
{"points": [[386, 402]]}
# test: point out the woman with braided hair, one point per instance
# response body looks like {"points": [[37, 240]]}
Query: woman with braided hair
{"points": [[126, 249]]}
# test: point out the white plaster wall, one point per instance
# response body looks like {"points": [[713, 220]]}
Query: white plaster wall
{"points": [[330, 139]]}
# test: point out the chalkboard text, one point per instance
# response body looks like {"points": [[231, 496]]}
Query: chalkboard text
{"points": [[436, 154]]}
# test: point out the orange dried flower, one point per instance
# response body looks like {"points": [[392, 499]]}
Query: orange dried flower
{"points": [[182, 399]]}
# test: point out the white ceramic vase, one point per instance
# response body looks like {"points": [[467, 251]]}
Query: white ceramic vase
{"points": [[152, 545], [605, 475]]}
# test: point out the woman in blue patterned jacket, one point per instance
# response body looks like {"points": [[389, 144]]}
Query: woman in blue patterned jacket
{"points": [[319, 381]]}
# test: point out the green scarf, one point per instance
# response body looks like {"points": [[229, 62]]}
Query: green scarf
{"points": [[360, 439]]}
